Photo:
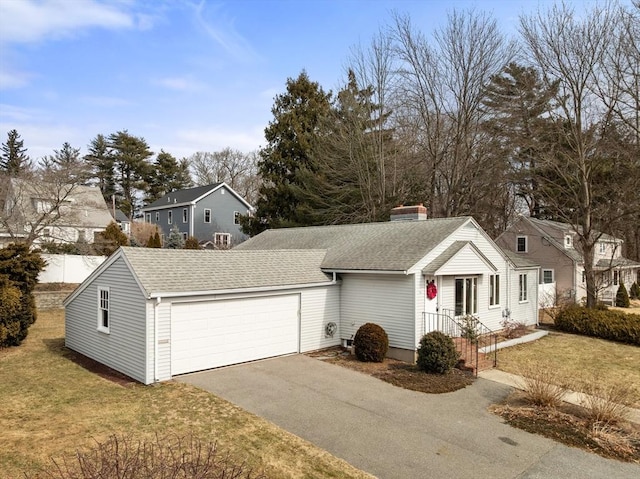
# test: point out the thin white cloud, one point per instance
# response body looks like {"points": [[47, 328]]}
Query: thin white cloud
{"points": [[222, 31], [26, 21], [13, 79], [215, 138], [106, 101], [179, 83], [12, 113]]}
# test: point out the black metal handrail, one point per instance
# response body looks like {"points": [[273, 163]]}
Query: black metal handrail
{"points": [[469, 333]]}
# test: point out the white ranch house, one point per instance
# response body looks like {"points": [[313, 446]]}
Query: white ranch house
{"points": [[153, 314]]}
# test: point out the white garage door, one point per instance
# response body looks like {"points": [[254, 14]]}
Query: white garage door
{"points": [[218, 333]]}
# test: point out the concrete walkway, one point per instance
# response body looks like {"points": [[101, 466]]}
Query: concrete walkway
{"points": [[393, 433], [571, 397]]}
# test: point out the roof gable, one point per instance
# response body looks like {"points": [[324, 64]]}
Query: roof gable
{"points": [[456, 258], [388, 246], [191, 195]]}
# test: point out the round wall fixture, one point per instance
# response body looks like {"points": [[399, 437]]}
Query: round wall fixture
{"points": [[330, 329]]}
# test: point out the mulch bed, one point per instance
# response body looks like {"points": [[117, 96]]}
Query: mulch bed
{"points": [[570, 425], [399, 373]]}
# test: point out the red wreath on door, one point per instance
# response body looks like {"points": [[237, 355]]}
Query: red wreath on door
{"points": [[432, 290]]}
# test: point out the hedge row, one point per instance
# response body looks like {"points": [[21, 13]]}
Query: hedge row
{"points": [[605, 324]]}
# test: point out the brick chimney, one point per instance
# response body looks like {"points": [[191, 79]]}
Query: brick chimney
{"points": [[409, 213]]}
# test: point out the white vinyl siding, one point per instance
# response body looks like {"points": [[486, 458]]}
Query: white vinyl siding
{"points": [[387, 300], [127, 346], [318, 307]]}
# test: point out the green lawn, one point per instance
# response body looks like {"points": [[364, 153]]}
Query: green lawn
{"points": [[578, 359], [51, 406]]}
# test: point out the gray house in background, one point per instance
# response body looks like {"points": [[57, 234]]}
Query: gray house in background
{"points": [[209, 213]]}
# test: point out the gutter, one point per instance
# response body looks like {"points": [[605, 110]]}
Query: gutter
{"points": [[217, 292], [365, 271]]}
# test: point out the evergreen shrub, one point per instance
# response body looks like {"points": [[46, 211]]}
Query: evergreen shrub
{"points": [[634, 292], [622, 297], [605, 324], [437, 353], [371, 343]]}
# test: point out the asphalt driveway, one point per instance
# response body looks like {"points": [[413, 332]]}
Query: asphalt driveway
{"points": [[395, 433]]}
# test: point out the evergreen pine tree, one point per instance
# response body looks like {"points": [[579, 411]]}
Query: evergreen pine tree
{"points": [[167, 175], [101, 164], [109, 240], [14, 159], [175, 240], [192, 243], [19, 269], [622, 297], [297, 116]]}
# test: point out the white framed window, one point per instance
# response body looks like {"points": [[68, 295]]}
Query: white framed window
{"points": [[104, 320], [185, 215], [236, 217], [568, 241], [616, 277], [602, 248], [170, 217], [584, 276], [522, 279], [547, 276], [207, 215], [46, 232], [494, 290], [147, 217], [521, 244], [222, 239], [466, 296], [157, 217]]}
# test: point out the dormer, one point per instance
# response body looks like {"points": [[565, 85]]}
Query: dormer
{"points": [[568, 241]]}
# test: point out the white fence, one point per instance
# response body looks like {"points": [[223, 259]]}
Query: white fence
{"points": [[66, 268], [546, 295]]}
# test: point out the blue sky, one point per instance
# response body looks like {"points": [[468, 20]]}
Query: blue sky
{"points": [[186, 75]]}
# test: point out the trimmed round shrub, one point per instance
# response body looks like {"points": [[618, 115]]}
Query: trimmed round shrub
{"points": [[622, 297], [371, 343], [437, 353]]}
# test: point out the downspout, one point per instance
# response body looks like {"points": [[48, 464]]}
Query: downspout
{"points": [[155, 338], [192, 220]]}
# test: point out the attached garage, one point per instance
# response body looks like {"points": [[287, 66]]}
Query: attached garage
{"points": [[154, 313], [211, 334]]}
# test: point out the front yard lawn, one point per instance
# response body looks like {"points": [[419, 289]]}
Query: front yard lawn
{"points": [[578, 358], [51, 406]]}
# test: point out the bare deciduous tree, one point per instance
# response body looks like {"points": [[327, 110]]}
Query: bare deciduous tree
{"points": [[442, 87], [236, 169], [571, 51]]}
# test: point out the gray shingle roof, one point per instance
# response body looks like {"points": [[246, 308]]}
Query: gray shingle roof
{"points": [[616, 263], [518, 260], [389, 246], [183, 271], [182, 196]]}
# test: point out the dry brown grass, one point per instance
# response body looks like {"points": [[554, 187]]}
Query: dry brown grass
{"points": [[580, 358], [541, 385], [51, 406]]}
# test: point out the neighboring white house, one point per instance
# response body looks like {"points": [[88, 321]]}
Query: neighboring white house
{"points": [[153, 313], [52, 213]]}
